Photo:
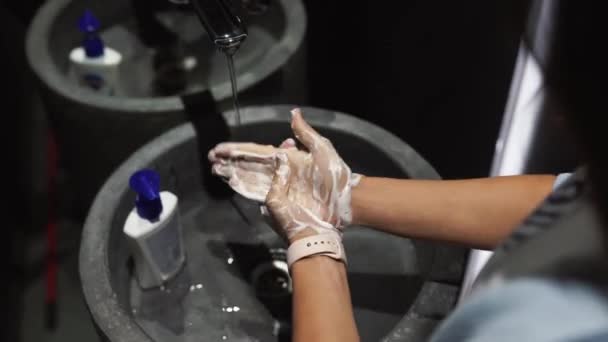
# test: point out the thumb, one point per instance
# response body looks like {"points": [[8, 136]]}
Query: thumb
{"points": [[304, 132]]}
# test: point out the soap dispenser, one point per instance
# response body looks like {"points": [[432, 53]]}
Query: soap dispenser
{"points": [[93, 64], [154, 231]]}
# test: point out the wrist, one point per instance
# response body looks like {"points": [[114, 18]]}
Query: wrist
{"points": [[318, 259], [327, 244], [357, 194], [344, 202], [304, 233]]}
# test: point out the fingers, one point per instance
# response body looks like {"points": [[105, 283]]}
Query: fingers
{"points": [[250, 179], [304, 132], [249, 151], [250, 172], [223, 170]]}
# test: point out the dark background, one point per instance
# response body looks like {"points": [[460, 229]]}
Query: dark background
{"points": [[435, 73]]}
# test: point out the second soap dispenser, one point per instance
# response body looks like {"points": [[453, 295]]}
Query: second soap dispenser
{"points": [[154, 231]]}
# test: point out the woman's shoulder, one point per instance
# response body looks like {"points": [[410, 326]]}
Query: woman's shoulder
{"points": [[530, 309]]}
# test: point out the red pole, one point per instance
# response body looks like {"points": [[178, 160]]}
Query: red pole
{"points": [[51, 236]]}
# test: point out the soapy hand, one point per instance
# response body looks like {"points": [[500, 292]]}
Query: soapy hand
{"points": [[301, 189], [249, 168]]}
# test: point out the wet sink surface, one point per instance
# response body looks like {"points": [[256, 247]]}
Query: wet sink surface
{"points": [[229, 289]]}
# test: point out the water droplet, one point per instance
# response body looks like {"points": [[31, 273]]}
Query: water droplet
{"points": [[190, 63], [195, 287]]}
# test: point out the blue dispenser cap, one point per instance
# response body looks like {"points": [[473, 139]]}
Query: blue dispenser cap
{"points": [[92, 43], [146, 183]]}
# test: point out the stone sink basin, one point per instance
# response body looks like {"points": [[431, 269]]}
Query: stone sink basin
{"points": [[235, 285]]}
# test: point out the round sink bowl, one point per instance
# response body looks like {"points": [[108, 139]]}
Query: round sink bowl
{"points": [[96, 132], [274, 36], [235, 285]]}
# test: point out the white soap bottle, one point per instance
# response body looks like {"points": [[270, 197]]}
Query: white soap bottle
{"points": [[154, 231], [94, 65]]}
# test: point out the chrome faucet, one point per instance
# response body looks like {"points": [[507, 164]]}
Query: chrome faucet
{"points": [[224, 27]]}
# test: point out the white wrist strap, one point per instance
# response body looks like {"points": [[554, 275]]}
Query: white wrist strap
{"points": [[322, 244]]}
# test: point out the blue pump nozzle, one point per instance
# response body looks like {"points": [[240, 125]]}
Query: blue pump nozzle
{"points": [[146, 183], [92, 43]]}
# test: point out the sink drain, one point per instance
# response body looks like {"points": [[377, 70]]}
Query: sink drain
{"points": [[271, 278]]}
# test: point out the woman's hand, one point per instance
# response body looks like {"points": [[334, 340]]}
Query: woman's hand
{"points": [[310, 192], [302, 189], [306, 193]]}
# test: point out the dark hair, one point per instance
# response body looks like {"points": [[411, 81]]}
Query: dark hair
{"points": [[575, 78]]}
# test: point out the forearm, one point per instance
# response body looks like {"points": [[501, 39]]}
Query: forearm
{"points": [[476, 212], [322, 309]]}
